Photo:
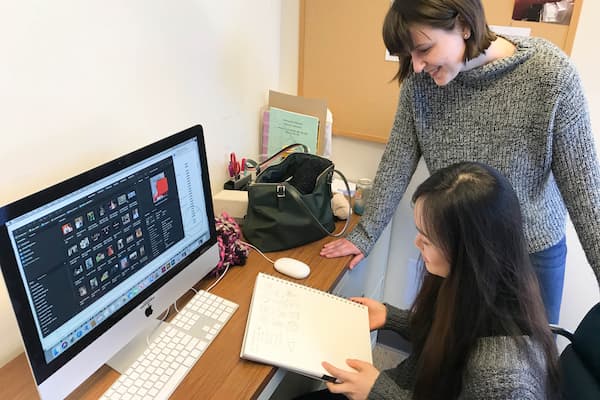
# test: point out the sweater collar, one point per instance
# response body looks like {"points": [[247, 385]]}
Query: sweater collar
{"points": [[524, 49]]}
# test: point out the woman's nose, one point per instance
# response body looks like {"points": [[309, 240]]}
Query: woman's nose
{"points": [[418, 63], [417, 242]]}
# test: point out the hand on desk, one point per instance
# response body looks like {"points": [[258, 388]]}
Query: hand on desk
{"points": [[340, 248], [354, 385]]}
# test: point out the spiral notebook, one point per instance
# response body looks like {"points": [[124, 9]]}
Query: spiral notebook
{"points": [[296, 327]]}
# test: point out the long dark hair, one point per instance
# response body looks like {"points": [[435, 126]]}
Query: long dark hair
{"points": [[471, 212], [442, 14]]}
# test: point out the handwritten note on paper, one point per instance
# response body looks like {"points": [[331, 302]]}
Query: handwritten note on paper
{"points": [[290, 325], [288, 127], [280, 314]]}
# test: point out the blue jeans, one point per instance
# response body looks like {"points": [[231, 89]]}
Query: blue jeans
{"points": [[549, 266]]}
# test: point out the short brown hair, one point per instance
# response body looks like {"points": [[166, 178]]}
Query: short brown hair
{"points": [[441, 14]]}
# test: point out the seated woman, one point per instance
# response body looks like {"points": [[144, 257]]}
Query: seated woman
{"points": [[478, 327]]}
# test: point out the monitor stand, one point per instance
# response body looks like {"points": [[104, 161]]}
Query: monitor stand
{"points": [[128, 354]]}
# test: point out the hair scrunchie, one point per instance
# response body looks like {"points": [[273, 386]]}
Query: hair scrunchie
{"points": [[231, 251]]}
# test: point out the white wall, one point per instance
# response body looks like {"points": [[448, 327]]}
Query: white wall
{"points": [[82, 82], [288, 74]]}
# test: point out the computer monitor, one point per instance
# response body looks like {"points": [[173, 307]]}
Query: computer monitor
{"points": [[91, 261]]}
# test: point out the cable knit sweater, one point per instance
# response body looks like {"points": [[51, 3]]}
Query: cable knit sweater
{"points": [[525, 115], [496, 369]]}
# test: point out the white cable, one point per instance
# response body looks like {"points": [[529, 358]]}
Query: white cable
{"points": [[218, 279], [259, 252], [175, 304], [207, 289], [166, 315], [227, 268]]}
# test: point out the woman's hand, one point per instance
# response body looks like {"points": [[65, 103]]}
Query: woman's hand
{"points": [[354, 385], [340, 248], [377, 311]]}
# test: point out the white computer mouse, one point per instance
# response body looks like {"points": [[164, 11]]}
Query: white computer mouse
{"points": [[292, 267]]}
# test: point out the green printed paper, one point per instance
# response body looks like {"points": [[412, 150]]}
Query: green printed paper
{"points": [[287, 127]]}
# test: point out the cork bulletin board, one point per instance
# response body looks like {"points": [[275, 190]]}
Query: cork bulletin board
{"points": [[342, 59]]}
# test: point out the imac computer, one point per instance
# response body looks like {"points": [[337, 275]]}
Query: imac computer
{"points": [[91, 262]]}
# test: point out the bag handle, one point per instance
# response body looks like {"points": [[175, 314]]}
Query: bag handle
{"points": [[298, 200], [258, 166]]}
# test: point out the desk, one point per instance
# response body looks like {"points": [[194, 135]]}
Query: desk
{"points": [[219, 373]]}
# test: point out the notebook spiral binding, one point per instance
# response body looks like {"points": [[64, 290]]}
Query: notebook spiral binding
{"points": [[312, 289]]}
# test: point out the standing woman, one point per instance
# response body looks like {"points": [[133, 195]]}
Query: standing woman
{"points": [[513, 103], [477, 326]]}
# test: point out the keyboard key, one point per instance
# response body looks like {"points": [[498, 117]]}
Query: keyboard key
{"points": [[167, 360]]}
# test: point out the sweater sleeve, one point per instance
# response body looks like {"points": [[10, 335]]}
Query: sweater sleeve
{"points": [[499, 368], [575, 164], [397, 321], [397, 166], [393, 383], [385, 389]]}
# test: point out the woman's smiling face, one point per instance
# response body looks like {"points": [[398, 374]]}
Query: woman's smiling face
{"points": [[438, 52]]}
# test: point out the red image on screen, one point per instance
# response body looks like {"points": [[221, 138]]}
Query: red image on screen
{"points": [[160, 187]]}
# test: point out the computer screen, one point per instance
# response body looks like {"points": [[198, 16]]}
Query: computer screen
{"points": [[87, 262]]}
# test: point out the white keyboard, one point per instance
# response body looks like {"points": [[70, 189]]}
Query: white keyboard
{"points": [[163, 365]]}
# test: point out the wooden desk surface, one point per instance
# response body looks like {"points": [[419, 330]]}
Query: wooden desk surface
{"points": [[220, 373]]}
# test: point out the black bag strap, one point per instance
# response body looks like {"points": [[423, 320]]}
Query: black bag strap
{"points": [[296, 197]]}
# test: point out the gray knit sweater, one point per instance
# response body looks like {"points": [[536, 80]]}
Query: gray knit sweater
{"points": [[525, 115], [497, 369]]}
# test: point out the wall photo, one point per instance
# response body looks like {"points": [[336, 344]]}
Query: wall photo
{"points": [[558, 12]]}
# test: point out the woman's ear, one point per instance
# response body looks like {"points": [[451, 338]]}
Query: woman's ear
{"points": [[463, 28]]}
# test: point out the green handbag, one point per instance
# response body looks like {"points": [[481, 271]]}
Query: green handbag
{"points": [[289, 204]]}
